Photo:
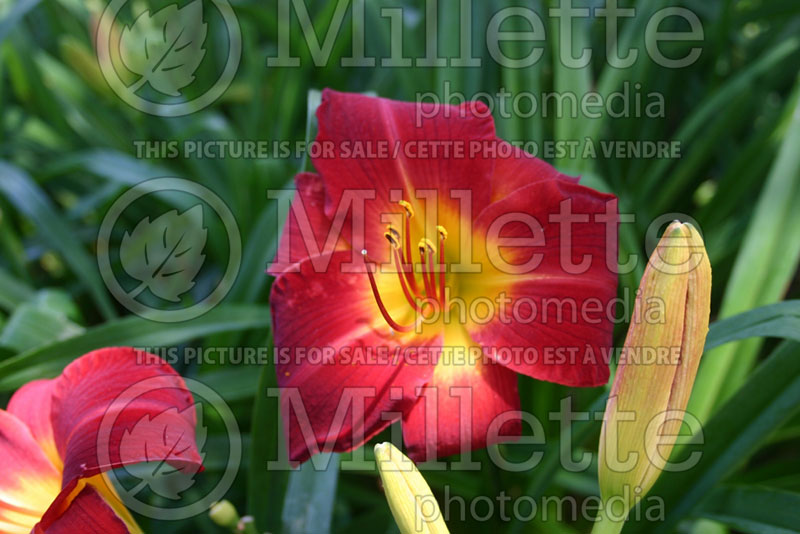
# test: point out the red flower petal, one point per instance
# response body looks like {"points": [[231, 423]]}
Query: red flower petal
{"points": [[336, 313], [469, 404], [31, 404], [100, 399], [571, 348], [306, 230], [520, 170], [88, 513], [29, 482], [348, 122]]}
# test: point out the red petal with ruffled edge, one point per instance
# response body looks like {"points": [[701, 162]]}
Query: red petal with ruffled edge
{"points": [[100, 399], [348, 121], [32, 405], [570, 348], [336, 313], [109, 408], [305, 233], [519, 170], [30, 482], [469, 404], [88, 513]]}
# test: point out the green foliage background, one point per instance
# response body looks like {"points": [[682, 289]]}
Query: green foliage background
{"points": [[67, 152]]}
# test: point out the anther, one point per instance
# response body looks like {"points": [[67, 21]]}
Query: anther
{"points": [[442, 237], [393, 236], [407, 206], [406, 256], [426, 245]]}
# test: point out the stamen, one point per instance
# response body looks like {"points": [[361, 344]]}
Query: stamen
{"points": [[427, 250], [407, 258], [384, 312], [406, 292], [409, 214], [406, 270], [425, 243], [393, 237], [442, 237], [431, 272]]}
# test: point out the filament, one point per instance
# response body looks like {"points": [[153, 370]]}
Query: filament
{"points": [[426, 254], [384, 312], [442, 236], [401, 276], [406, 255], [406, 275]]}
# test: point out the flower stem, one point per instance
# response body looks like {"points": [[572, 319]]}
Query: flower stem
{"points": [[605, 524], [246, 526]]}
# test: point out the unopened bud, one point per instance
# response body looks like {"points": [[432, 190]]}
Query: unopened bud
{"points": [[410, 498], [224, 514], [657, 366]]}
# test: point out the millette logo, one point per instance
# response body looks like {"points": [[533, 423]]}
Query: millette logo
{"points": [[157, 60]]}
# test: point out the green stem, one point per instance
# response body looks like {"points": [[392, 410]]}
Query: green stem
{"points": [[606, 524], [247, 526]]}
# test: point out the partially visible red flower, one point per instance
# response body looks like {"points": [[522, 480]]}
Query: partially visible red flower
{"points": [[441, 214], [59, 437]]}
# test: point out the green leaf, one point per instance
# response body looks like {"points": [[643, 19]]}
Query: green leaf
{"points": [[543, 476], [59, 301], [266, 488], [13, 292], [754, 510], [611, 78], [512, 126], [764, 267], [774, 320], [267, 230], [310, 497], [59, 234], [313, 100], [136, 331], [15, 15], [113, 166], [32, 325], [566, 80], [233, 383], [762, 405], [713, 105]]}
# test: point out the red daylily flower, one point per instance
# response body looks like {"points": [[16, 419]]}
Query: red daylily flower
{"points": [[59, 437], [438, 216]]}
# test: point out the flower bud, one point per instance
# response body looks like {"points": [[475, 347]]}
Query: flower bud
{"points": [[413, 505], [657, 367], [224, 514]]}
